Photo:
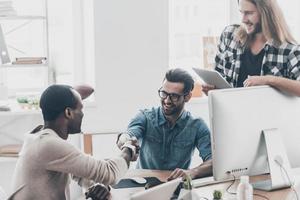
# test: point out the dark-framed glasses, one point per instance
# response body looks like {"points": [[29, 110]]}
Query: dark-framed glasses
{"points": [[173, 96]]}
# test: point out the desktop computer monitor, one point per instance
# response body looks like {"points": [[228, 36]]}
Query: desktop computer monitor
{"points": [[237, 119]]}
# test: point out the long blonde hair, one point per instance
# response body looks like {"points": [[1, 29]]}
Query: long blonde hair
{"points": [[273, 24]]}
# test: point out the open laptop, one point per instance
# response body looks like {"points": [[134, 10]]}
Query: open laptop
{"points": [[161, 192], [4, 56]]}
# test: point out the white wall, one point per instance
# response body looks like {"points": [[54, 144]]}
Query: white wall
{"points": [[61, 39], [131, 57]]}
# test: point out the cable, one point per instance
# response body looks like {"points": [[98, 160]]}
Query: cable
{"points": [[231, 184], [234, 193], [288, 177]]}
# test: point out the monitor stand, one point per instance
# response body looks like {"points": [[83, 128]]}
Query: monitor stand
{"points": [[279, 166]]}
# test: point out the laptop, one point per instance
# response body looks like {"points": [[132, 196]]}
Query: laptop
{"points": [[4, 56], [161, 192], [213, 78]]}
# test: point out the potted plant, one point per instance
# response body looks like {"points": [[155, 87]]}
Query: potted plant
{"points": [[187, 192]]}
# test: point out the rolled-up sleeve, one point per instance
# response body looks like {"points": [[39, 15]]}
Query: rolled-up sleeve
{"points": [[203, 142], [137, 125]]}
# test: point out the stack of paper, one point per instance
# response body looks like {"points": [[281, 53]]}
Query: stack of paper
{"points": [[6, 8]]}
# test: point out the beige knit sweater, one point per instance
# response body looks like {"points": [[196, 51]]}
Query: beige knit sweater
{"points": [[46, 163]]}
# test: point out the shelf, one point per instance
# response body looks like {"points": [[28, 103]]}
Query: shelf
{"points": [[22, 17], [22, 65], [20, 113], [8, 159]]}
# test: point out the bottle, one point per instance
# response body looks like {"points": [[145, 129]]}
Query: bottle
{"points": [[244, 189]]}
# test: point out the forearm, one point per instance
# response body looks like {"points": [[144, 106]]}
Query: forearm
{"points": [[203, 170], [284, 84], [127, 155]]}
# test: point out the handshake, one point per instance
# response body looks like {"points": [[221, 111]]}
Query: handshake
{"points": [[124, 140]]}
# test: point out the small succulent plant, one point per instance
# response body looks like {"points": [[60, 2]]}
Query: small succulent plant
{"points": [[217, 195], [187, 183]]}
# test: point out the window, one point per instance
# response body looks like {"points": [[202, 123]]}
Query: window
{"points": [[191, 23], [72, 41], [194, 28], [70, 45], [25, 34], [291, 13]]}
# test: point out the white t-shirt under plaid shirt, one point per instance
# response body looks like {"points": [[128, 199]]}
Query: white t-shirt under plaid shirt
{"points": [[282, 61]]}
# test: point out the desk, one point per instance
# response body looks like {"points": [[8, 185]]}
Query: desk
{"points": [[125, 193], [206, 191]]}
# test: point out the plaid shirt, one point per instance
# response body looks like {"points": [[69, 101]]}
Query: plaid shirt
{"points": [[283, 61]]}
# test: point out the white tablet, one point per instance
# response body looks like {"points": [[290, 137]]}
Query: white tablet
{"points": [[212, 78]]}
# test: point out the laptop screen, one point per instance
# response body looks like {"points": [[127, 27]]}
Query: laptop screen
{"points": [[160, 192]]}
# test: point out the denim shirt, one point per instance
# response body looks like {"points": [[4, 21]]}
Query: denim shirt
{"points": [[167, 148]]}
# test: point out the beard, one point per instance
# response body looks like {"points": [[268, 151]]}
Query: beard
{"points": [[75, 128], [171, 109], [257, 29]]}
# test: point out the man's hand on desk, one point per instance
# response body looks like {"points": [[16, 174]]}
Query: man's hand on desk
{"points": [[179, 173], [98, 192]]}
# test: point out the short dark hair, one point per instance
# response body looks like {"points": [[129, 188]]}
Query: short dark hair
{"points": [[55, 99], [180, 76]]}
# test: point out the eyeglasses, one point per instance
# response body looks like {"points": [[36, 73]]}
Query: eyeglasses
{"points": [[173, 96]]}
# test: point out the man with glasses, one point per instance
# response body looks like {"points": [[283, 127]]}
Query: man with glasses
{"points": [[169, 134]]}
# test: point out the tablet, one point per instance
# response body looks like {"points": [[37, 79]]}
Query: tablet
{"points": [[212, 78]]}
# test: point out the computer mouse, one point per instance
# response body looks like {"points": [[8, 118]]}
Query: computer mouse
{"points": [[138, 180]]}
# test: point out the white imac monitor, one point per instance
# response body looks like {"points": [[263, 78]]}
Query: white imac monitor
{"points": [[237, 119]]}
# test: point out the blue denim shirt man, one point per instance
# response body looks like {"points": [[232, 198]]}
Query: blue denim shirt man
{"points": [[168, 134], [167, 148]]}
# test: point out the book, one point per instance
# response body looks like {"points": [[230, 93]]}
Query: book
{"points": [[10, 150], [30, 60]]}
